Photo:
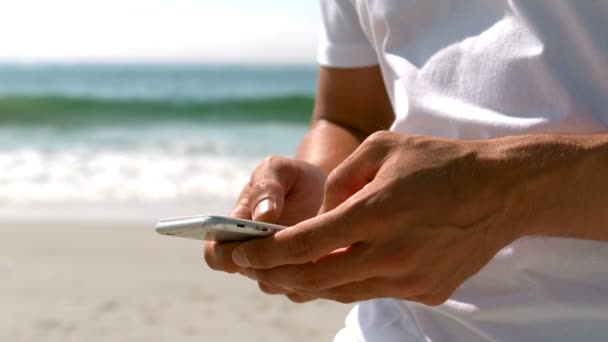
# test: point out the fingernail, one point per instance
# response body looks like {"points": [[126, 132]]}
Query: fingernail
{"points": [[240, 258], [263, 207]]}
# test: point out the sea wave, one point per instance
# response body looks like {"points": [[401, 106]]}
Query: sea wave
{"points": [[32, 176], [175, 162], [116, 137], [65, 110]]}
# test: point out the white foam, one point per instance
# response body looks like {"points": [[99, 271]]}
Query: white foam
{"points": [[31, 175]]}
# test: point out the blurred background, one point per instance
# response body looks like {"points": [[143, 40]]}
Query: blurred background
{"points": [[104, 103], [114, 114]]}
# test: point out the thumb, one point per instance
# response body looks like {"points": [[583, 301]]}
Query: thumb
{"points": [[267, 201], [268, 210], [270, 184]]}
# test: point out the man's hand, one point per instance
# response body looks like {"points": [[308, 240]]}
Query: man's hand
{"points": [[282, 191], [403, 217]]}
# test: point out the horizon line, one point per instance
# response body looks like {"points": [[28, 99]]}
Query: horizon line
{"points": [[154, 62]]}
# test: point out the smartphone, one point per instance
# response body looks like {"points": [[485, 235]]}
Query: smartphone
{"points": [[215, 228]]}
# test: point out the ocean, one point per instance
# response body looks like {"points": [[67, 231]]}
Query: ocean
{"points": [[101, 140]]}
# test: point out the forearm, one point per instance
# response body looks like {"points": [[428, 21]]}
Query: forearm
{"points": [[350, 105], [327, 144], [563, 184]]}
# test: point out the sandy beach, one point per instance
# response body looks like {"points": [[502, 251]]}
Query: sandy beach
{"points": [[123, 282], [91, 155]]}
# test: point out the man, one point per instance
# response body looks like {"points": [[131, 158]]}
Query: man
{"points": [[483, 212]]}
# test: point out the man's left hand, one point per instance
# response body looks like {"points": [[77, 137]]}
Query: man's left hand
{"points": [[404, 217]]}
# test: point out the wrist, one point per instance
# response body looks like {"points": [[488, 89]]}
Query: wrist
{"points": [[326, 145], [554, 183]]}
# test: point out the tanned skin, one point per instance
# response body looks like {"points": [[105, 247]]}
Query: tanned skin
{"points": [[402, 216]]}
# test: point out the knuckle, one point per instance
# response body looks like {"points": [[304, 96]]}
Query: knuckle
{"points": [[274, 164], [345, 300], [231, 270], [269, 164], [264, 288], [297, 298], [272, 160], [336, 189], [333, 182], [271, 290], [379, 143], [379, 138], [263, 188]]}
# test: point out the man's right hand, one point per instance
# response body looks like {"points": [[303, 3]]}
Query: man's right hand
{"points": [[351, 104], [282, 191]]}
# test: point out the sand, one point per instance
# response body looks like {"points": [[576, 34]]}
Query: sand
{"points": [[123, 282]]}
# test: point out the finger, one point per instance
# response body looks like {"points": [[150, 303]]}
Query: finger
{"points": [[300, 298], [272, 290], [357, 291], [242, 208], [304, 242], [270, 184], [354, 173], [371, 288], [219, 256], [293, 296], [338, 268]]}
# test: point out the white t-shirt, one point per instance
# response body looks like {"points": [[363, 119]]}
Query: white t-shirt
{"points": [[480, 69]]}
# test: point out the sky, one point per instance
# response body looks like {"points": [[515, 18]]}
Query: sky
{"points": [[206, 31]]}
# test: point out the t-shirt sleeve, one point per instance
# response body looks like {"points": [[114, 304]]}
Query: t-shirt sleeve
{"points": [[342, 42]]}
